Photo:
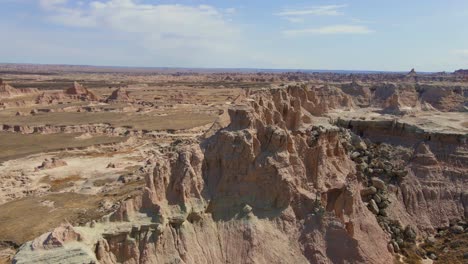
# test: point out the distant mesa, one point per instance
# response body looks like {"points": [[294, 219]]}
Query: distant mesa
{"points": [[119, 95], [461, 72]]}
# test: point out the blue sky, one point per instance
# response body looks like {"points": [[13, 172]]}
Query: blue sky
{"points": [[392, 35]]}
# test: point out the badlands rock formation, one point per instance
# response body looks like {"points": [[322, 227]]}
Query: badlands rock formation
{"points": [[360, 93], [461, 72], [76, 92], [401, 98], [279, 179], [8, 91], [119, 95], [273, 186]]}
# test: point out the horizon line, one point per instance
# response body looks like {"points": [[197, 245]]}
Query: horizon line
{"points": [[260, 69]]}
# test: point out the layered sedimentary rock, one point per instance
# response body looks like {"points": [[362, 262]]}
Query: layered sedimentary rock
{"points": [[360, 93], [75, 92], [51, 98], [62, 245], [452, 98], [393, 104], [433, 190], [385, 93], [8, 91], [277, 185], [408, 97], [268, 188], [80, 92], [119, 95]]}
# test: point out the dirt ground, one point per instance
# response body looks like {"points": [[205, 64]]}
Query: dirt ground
{"points": [[39, 214], [15, 145]]}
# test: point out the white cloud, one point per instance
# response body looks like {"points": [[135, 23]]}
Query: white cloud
{"points": [[326, 10], [160, 28], [328, 30]]}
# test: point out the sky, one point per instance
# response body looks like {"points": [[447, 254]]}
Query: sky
{"points": [[396, 35]]}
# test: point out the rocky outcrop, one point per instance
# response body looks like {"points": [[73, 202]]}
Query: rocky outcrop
{"points": [[412, 75], [52, 163], [98, 129], [78, 91], [51, 98], [56, 238], [62, 245], [415, 97], [8, 91], [119, 95], [385, 94], [461, 72], [430, 192], [445, 99], [393, 105], [360, 93], [445, 145], [433, 192]]}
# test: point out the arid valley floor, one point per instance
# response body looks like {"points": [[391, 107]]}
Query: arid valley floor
{"points": [[122, 165]]}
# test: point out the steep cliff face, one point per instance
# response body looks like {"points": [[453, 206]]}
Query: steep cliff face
{"points": [[360, 93], [433, 191], [452, 98], [400, 98], [266, 189], [387, 93]]}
